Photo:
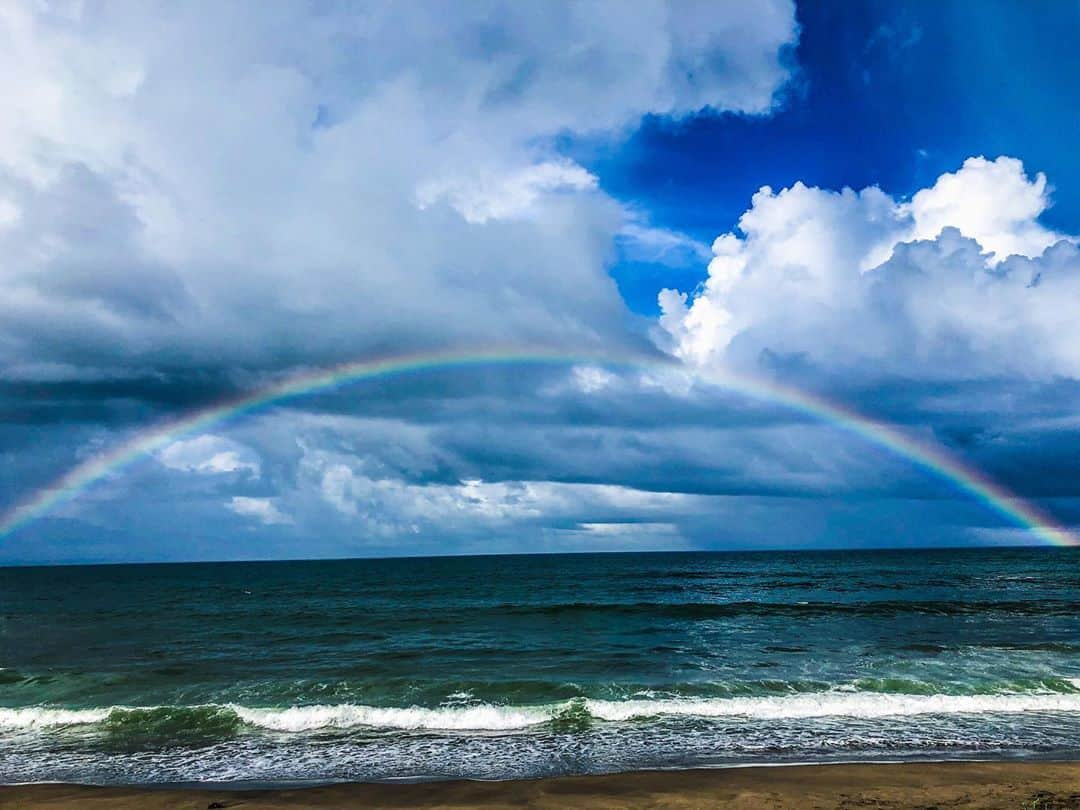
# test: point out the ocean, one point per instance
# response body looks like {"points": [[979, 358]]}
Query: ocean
{"points": [[521, 666]]}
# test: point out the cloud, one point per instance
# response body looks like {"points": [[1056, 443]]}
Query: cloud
{"points": [[526, 469], [592, 378], [385, 507], [209, 454], [202, 187], [262, 509], [511, 196], [639, 241], [991, 201], [624, 536], [962, 282], [196, 199]]}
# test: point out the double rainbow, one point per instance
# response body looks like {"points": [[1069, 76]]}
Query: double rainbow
{"points": [[935, 459]]}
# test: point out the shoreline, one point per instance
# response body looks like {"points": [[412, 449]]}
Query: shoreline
{"points": [[1042, 784]]}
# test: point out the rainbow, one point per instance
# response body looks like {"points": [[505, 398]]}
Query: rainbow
{"points": [[156, 437]]}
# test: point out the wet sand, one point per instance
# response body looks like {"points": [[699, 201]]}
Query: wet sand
{"points": [[984, 785]]}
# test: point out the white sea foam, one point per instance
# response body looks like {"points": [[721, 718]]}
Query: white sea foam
{"points": [[834, 704], [39, 717], [488, 717], [483, 717]]}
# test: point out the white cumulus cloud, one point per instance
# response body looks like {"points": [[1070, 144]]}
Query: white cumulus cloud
{"points": [[962, 280], [993, 202]]}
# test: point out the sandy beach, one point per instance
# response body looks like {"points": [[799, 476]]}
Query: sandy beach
{"points": [[985, 785]]}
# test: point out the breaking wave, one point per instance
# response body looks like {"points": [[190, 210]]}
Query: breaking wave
{"points": [[228, 719]]}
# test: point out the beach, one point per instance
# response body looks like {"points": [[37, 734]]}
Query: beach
{"points": [[986, 785]]}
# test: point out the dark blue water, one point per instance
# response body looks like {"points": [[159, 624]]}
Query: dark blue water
{"points": [[513, 666]]}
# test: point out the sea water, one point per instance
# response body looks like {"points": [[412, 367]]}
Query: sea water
{"points": [[515, 666]]}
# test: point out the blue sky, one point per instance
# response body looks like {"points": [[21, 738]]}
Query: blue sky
{"points": [[876, 203]]}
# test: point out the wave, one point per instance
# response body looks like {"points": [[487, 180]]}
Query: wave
{"points": [[834, 704], [484, 717], [227, 718], [42, 717], [488, 717]]}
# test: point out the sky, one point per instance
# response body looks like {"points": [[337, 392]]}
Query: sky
{"points": [[874, 206]]}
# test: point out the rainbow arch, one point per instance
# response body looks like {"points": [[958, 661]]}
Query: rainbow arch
{"points": [[935, 459]]}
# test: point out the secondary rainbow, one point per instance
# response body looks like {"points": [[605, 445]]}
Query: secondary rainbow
{"points": [[157, 437]]}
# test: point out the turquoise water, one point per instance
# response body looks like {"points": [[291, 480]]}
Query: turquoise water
{"points": [[498, 667]]}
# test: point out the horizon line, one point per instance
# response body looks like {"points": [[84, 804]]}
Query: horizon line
{"points": [[981, 547]]}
